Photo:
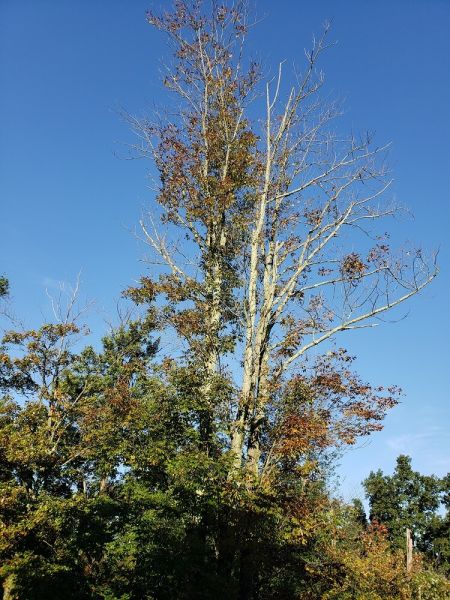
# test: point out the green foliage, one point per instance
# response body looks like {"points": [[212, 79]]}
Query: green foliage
{"points": [[408, 499], [429, 585], [65, 433]]}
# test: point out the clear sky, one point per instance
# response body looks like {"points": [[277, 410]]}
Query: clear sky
{"points": [[69, 199]]}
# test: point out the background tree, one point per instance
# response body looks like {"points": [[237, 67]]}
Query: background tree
{"points": [[439, 531], [408, 499], [404, 500]]}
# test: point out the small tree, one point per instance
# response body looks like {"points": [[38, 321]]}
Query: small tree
{"points": [[274, 211]]}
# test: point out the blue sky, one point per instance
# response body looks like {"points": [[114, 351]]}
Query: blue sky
{"points": [[70, 200]]}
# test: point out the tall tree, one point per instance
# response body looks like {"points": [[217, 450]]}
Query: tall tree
{"points": [[275, 210]]}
